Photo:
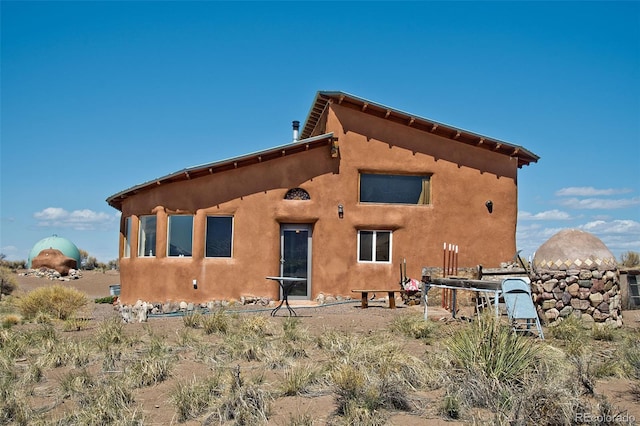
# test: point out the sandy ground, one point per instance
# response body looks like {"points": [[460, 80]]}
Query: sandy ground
{"points": [[347, 317]]}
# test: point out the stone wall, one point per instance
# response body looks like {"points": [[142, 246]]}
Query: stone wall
{"points": [[592, 295]]}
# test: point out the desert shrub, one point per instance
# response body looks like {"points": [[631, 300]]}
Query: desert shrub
{"points": [[379, 356], [76, 383], [520, 385], [300, 419], [630, 259], [541, 404], [45, 333], [493, 349], [8, 282], [244, 346], [108, 299], [43, 318], [570, 329], [56, 353], [75, 324], [186, 337], [111, 357], [110, 332], [154, 366], [370, 374], [58, 301], [292, 331], [15, 410], [413, 326], [451, 405], [10, 320], [218, 321], [635, 391], [255, 325], [108, 402], [193, 397], [603, 332], [149, 370], [192, 319], [157, 345], [244, 404], [630, 349], [357, 415], [298, 379]]}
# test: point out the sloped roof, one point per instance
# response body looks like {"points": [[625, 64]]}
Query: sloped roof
{"points": [[323, 99], [313, 136], [188, 173]]}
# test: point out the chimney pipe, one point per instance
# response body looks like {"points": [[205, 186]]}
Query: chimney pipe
{"points": [[296, 129]]}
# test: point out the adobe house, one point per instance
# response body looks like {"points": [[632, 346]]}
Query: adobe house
{"points": [[361, 187]]}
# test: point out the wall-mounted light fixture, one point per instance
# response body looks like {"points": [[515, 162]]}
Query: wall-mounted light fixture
{"points": [[340, 211], [489, 205]]}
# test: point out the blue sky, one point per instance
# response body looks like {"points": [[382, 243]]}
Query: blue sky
{"points": [[97, 97]]}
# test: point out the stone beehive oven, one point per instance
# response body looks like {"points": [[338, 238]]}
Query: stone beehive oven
{"points": [[576, 274]]}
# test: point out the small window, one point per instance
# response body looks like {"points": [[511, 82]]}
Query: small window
{"points": [[219, 236], [180, 235], [374, 246], [147, 236], [126, 252], [394, 189]]}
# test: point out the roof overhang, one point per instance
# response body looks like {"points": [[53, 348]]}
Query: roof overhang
{"points": [[202, 170], [324, 99]]}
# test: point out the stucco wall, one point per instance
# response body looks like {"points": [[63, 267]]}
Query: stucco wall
{"points": [[463, 179]]}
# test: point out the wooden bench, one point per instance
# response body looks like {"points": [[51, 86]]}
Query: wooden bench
{"points": [[391, 293]]}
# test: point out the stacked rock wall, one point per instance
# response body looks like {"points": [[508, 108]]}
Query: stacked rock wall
{"points": [[592, 295]]}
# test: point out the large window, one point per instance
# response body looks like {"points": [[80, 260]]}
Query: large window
{"points": [[180, 240], [374, 246], [147, 236], [394, 189], [219, 236], [126, 252]]}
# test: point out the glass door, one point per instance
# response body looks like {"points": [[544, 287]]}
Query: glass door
{"points": [[295, 258]]}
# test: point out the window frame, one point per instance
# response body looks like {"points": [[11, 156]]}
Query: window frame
{"points": [[142, 229], [374, 246], [425, 193], [169, 235], [126, 243], [206, 236]]}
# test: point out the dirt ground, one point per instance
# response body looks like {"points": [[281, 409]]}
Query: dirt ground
{"points": [[346, 317]]}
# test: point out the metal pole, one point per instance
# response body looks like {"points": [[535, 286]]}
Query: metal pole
{"points": [[444, 274], [456, 261]]}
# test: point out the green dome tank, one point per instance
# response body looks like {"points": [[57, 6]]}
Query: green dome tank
{"points": [[65, 246]]}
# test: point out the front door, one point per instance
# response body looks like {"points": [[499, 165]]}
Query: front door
{"points": [[295, 257]]}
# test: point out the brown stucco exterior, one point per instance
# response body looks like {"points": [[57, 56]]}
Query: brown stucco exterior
{"points": [[347, 141]]}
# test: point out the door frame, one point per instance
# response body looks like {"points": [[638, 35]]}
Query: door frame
{"points": [[292, 227]]}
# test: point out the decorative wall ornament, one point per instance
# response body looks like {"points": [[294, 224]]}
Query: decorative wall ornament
{"points": [[297, 194]]}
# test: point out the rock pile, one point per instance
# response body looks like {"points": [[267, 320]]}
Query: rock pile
{"points": [[591, 295], [54, 259], [52, 274]]}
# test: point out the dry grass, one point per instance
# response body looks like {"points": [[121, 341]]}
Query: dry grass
{"points": [[87, 372], [57, 301]]}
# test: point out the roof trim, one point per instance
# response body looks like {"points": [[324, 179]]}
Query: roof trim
{"points": [[207, 169], [325, 98]]}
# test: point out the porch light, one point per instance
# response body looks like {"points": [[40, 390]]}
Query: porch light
{"points": [[489, 205], [340, 211]]}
